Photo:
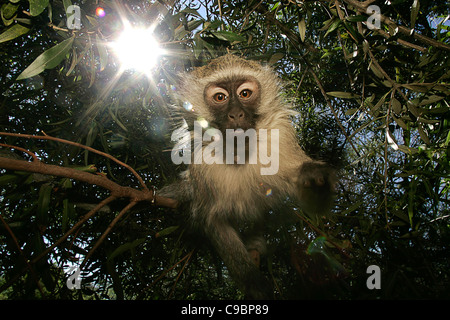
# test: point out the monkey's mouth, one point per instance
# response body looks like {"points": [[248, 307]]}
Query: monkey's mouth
{"points": [[238, 143], [240, 127], [239, 131]]}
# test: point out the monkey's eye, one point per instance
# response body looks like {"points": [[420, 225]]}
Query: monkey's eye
{"points": [[220, 97], [245, 93]]}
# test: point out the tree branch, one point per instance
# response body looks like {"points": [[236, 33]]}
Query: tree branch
{"points": [[106, 155], [117, 190]]}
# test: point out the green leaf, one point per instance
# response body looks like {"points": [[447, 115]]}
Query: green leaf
{"points": [[73, 63], [228, 36], [125, 247], [342, 95], [401, 123], [352, 208], [381, 101], [334, 25], [351, 31], [351, 111], [430, 100], [8, 13], [48, 59], [6, 179], [192, 12], [213, 25], [302, 29], [447, 141], [194, 24], [166, 231], [44, 202], [102, 53], [420, 87], [396, 106], [68, 212], [37, 6], [319, 246], [423, 134], [359, 18], [414, 12], [66, 183], [13, 32], [180, 32], [198, 45], [376, 71], [275, 58], [411, 196], [276, 5], [407, 150], [67, 4]]}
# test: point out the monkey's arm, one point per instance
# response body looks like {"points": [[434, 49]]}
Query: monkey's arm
{"points": [[180, 191], [239, 262]]}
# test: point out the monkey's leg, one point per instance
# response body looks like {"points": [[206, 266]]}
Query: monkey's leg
{"points": [[255, 256], [255, 243], [243, 270]]}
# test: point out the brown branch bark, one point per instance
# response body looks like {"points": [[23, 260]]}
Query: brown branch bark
{"points": [[117, 190], [106, 155]]}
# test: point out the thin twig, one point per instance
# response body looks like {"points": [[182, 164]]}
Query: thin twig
{"points": [[27, 262], [163, 274], [107, 231], [189, 255], [35, 158], [106, 155], [75, 227]]}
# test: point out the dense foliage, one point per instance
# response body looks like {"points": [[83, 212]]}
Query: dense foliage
{"points": [[372, 101]]}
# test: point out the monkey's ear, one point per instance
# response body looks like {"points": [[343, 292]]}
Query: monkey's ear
{"points": [[316, 188]]}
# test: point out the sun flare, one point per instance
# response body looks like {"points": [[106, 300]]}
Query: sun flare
{"points": [[137, 49]]}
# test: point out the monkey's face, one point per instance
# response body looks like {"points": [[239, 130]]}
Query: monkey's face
{"points": [[233, 102]]}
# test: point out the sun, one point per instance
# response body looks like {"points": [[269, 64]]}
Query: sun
{"points": [[137, 49]]}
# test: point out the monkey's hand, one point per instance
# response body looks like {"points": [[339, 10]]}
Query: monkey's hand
{"points": [[315, 186], [180, 191]]}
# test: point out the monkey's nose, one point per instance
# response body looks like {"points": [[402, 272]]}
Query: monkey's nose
{"points": [[236, 116]]}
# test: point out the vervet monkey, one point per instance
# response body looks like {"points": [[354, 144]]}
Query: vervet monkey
{"points": [[226, 197]]}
